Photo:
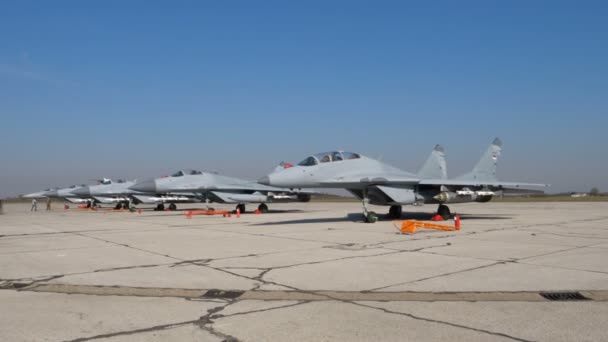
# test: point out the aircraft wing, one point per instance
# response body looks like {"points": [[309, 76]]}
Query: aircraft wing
{"points": [[498, 185], [346, 182], [255, 187]]}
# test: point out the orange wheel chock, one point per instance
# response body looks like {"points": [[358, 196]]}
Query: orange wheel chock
{"points": [[410, 226], [191, 213]]}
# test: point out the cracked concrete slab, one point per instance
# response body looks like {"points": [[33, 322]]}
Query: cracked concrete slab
{"points": [[108, 263], [493, 250], [182, 276], [69, 261], [339, 321], [371, 272], [251, 306], [29, 316], [185, 333], [526, 237], [10, 245], [295, 257], [586, 259], [510, 277], [341, 236], [199, 244], [572, 321]]}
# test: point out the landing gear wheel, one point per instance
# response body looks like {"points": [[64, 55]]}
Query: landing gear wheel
{"points": [[172, 207], [240, 208], [118, 206], [444, 212], [125, 206], [371, 217], [160, 207], [395, 211], [263, 208]]}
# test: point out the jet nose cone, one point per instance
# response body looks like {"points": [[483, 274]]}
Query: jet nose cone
{"points": [[52, 193], [84, 191], [34, 195], [264, 180], [144, 186]]}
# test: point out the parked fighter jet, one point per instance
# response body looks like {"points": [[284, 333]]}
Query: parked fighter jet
{"points": [[211, 187], [375, 182], [108, 192], [38, 194], [66, 194]]}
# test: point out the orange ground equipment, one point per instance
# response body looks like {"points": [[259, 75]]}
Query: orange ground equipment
{"points": [[410, 226], [224, 213]]}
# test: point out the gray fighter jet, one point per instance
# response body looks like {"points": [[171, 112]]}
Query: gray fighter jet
{"points": [[375, 182], [38, 194], [108, 192], [66, 194], [212, 187]]}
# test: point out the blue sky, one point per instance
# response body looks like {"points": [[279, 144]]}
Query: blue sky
{"points": [[138, 88]]}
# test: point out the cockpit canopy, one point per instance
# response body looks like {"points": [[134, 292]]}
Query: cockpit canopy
{"points": [[328, 157], [181, 173], [105, 181]]}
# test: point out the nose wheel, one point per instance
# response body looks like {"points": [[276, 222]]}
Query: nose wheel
{"points": [[172, 207], [263, 208], [240, 208]]}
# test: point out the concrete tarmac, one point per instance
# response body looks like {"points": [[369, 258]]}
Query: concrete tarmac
{"points": [[304, 272]]}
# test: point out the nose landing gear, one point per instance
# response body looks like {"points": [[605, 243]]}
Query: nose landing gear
{"points": [[368, 216]]}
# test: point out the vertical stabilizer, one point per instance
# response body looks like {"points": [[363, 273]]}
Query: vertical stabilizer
{"points": [[485, 169], [435, 165]]}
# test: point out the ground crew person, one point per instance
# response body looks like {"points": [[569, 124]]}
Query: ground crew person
{"points": [[48, 204], [34, 205]]}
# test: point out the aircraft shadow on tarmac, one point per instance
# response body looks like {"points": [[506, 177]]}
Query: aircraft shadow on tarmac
{"points": [[184, 211], [358, 217]]}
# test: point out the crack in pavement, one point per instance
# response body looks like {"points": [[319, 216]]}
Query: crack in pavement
{"points": [[128, 246], [430, 320], [437, 276], [498, 262], [132, 332], [206, 322]]}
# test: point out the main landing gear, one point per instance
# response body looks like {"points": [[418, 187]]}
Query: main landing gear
{"points": [[395, 212], [263, 208], [161, 207], [444, 212], [121, 206]]}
